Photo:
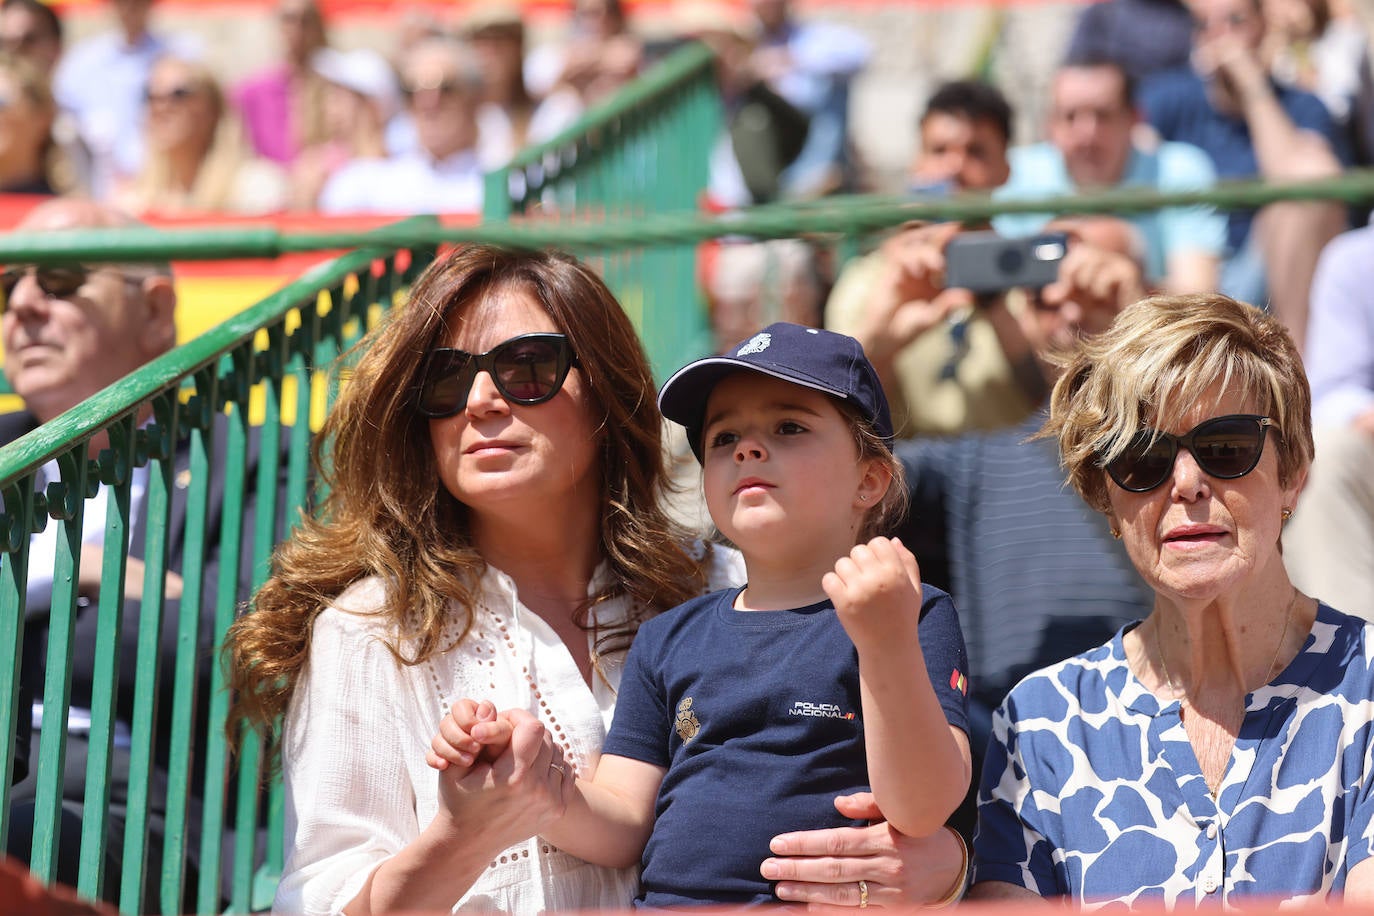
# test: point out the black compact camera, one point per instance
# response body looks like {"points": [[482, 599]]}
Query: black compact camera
{"points": [[986, 262]]}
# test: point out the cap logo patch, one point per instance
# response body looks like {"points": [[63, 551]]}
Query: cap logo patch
{"points": [[756, 344]]}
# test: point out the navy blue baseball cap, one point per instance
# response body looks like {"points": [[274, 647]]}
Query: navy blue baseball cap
{"points": [[823, 360]]}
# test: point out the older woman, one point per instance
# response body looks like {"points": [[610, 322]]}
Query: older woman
{"points": [[1220, 749], [493, 527]]}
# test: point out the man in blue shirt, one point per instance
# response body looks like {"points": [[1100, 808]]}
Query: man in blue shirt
{"points": [[1227, 104], [1091, 121]]}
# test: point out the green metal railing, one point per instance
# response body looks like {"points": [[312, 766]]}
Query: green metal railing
{"points": [[166, 419]]}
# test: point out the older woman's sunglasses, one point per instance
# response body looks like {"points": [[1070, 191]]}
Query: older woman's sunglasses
{"points": [[528, 369], [1224, 447]]}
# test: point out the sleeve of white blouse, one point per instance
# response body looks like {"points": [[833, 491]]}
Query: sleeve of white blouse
{"points": [[349, 806]]}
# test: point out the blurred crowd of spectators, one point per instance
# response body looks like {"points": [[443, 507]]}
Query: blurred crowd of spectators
{"points": [[135, 116]]}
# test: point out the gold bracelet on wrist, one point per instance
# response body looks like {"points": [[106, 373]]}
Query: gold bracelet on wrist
{"points": [[956, 892]]}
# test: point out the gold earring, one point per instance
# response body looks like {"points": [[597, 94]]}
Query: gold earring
{"points": [[863, 497], [1287, 513], [1115, 533]]}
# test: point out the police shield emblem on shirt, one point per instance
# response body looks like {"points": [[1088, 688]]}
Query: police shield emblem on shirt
{"points": [[687, 724]]}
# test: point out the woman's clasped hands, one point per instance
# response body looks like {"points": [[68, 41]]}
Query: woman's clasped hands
{"points": [[499, 768]]}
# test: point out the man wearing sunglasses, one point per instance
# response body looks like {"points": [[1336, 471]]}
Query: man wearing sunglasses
{"points": [[68, 333], [442, 171]]}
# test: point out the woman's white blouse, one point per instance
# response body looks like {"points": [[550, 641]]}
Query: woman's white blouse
{"points": [[359, 722]]}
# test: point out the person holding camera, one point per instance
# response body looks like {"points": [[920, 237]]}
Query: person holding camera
{"points": [[962, 142], [998, 372]]}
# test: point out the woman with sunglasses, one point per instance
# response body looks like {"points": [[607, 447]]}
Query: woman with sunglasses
{"points": [[1220, 749], [493, 528], [195, 160]]}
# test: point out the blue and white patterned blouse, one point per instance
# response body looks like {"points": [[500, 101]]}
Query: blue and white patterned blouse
{"points": [[1091, 789]]}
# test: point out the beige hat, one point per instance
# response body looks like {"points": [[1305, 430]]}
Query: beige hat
{"points": [[487, 17]]}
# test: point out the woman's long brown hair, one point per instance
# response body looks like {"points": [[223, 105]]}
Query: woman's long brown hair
{"points": [[388, 515]]}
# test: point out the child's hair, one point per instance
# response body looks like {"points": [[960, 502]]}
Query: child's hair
{"points": [[883, 518]]}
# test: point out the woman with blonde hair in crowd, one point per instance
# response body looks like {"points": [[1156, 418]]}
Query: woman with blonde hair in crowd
{"points": [[493, 526], [194, 159], [31, 162]]}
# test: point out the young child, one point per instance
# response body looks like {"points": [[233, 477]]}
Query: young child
{"points": [[744, 713]]}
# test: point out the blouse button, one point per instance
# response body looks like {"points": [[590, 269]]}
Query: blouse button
{"points": [[1212, 830], [1209, 884]]}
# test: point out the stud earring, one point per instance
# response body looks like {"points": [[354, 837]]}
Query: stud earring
{"points": [[1115, 533], [863, 498], [1287, 513]]}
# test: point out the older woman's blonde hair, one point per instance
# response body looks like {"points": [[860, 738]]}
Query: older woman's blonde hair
{"points": [[1157, 361]]}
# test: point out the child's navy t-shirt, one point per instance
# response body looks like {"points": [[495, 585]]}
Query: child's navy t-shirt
{"points": [[756, 716]]}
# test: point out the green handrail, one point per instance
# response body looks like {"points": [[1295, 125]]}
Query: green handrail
{"points": [[845, 215], [202, 389], [687, 73]]}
